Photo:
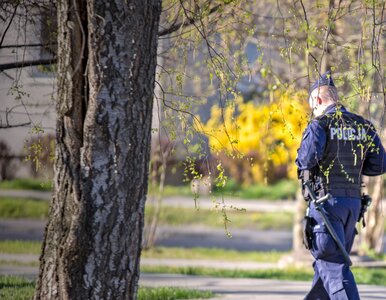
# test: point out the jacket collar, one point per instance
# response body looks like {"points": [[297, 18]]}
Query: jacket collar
{"points": [[333, 107]]}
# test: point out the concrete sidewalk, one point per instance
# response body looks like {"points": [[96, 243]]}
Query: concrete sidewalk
{"points": [[30, 194]]}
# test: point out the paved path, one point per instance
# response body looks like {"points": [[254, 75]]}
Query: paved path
{"points": [[242, 239], [31, 194], [192, 236], [249, 289], [22, 229], [171, 236]]}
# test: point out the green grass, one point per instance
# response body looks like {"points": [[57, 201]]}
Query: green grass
{"points": [[212, 254], [280, 274], [171, 293], [18, 288], [373, 276], [23, 208], [284, 189], [173, 190], [26, 184], [29, 247], [18, 263], [33, 247], [179, 216], [20, 247]]}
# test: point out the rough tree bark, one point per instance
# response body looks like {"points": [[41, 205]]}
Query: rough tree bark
{"points": [[106, 67]]}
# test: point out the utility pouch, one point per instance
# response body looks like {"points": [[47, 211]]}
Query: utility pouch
{"points": [[307, 228]]}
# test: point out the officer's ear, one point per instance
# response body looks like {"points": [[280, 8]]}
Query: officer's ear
{"points": [[319, 100]]}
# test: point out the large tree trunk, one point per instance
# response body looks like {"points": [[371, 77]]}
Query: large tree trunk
{"points": [[106, 67]]}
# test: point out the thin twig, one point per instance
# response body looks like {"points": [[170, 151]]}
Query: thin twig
{"points": [[23, 45], [27, 63], [15, 125], [9, 24]]}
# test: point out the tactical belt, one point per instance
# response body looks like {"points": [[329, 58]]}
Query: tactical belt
{"points": [[354, 193]]}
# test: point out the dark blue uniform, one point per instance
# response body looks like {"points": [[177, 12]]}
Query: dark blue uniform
{"points": [[339, 147]]}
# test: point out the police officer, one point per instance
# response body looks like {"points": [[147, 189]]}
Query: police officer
{"points": [[337, 148]]}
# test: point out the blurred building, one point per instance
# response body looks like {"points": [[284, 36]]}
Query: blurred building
{"points": [[27, 94]]}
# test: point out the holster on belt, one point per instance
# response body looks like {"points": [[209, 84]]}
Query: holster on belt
{"points": [[365, 203], [304, 176], [307, 228], [307, 222]]}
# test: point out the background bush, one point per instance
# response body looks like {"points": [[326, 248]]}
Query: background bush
{"points": [[257, 142]]}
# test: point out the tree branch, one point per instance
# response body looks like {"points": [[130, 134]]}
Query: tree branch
{"points": [[186, 23], [23, 46], [9, 24], [16, 125], [27, 63]]}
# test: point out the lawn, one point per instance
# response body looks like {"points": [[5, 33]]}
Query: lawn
{"points": [[284, 189], [238, 219], [17, 208], [20, 247], [18, 288], [373, 276], [26, 184], [29, 247], [212, 254]]}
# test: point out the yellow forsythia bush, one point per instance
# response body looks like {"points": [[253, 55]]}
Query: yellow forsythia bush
{"points": [[258, 142]]}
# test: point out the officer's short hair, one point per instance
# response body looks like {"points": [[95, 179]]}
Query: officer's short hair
{"points": [[328, 92]]}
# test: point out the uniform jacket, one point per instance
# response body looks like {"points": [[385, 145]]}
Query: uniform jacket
{"points": [[343, 146]]}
